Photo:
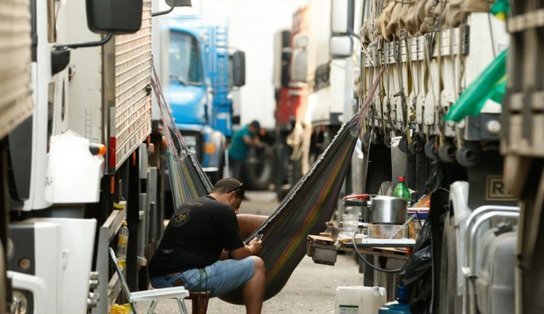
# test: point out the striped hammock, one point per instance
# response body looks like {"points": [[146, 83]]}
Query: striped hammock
{"points": [[309, 204], [187, 179], [305, 209]]}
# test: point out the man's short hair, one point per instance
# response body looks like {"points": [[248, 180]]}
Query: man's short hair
{"points": [[255, 124], [227, 185]]}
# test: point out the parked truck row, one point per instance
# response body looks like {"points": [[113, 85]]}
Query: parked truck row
{"points": [[86, 157], [439, 119], [84, 161], [314, 90], [89, 154]]}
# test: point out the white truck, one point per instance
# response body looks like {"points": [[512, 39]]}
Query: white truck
{"points": [[15, 107], [314, 87], [430, 59], [86, 159]]}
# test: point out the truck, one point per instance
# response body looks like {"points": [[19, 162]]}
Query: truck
{"points": [[202, 74], [84, 159], [315, 91], [457, 114], [15, 106]]}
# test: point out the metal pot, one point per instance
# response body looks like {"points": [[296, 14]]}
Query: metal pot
{"points": [[387, 210]]}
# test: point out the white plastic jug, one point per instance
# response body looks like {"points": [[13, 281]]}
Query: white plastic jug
{"points": [[359, 299]]}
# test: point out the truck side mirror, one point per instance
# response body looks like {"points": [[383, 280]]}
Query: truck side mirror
{"points": [[179, 3], [114, 16], [285, 59], [238, 68], [341, 46], [342, 17], [282, 49], [172, 4]]}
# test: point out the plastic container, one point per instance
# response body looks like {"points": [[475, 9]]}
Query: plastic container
{"points": [[120, 309], [395, 308], [122, 243], [350, 223], [386, 231], [359, 299], [400, 306]]}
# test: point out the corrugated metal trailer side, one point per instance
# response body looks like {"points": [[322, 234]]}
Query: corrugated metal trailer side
{"points": [[127, 86]]}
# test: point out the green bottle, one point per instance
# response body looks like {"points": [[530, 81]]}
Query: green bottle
{"points": [[401, 190]]}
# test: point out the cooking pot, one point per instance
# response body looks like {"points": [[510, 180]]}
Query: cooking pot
{"points": [[387, 209]]}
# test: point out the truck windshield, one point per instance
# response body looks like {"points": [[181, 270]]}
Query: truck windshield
{"points": [[185, 62]]}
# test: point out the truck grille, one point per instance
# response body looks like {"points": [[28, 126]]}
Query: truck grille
{"points": [[193, 140]]}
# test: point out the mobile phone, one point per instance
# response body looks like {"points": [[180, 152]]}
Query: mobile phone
{"points": [[259, 236]]}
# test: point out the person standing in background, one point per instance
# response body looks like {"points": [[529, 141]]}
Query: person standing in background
{"points": [[239, 146]]}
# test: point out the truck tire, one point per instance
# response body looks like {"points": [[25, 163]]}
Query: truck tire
{"points": [[449, 302], [259, 168], [217, 175], [282, 185]]}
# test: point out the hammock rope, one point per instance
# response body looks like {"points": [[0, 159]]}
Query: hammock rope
{"points": [[187, 179]]}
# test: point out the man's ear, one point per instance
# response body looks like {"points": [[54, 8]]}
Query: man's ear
{"points": [[231, 195]]}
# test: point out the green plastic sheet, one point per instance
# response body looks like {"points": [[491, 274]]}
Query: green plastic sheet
{"points": [[491, 84]]}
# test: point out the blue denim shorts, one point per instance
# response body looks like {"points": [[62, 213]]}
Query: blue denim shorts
{"points": [[219, 278]]}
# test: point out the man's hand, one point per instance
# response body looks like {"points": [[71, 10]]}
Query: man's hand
{"points": [[255, 245], [252, 248], [252, 141]]}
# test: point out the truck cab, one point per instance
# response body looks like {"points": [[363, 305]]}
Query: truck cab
{"points": [[199, 87]]}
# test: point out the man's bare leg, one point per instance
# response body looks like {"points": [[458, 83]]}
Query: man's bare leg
{"points": [[249, 223], [253, 292]]}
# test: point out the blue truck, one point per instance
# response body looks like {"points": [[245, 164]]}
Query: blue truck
{"points": [[202, 75]]}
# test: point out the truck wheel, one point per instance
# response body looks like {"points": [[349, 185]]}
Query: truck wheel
{"points": [[217, 175], [281, 165], [449, 302], [259, 168]]}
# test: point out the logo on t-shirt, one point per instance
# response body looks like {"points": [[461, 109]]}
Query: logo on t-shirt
{"points": [[180, 217]]}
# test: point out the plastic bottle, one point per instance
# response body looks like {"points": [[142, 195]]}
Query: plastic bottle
{"points": [[120, 309], [401, 190], [122, 243]]}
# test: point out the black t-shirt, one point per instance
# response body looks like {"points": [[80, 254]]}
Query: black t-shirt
{"points": [[195, 236]]}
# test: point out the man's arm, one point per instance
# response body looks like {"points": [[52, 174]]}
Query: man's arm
{"points": [[224, 255], [253, 248], [251, 141]]}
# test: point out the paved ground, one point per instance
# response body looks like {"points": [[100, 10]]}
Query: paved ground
{"points": [[311, 288]]}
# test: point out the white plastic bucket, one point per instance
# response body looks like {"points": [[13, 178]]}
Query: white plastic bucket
{"points": [[359, 299]]}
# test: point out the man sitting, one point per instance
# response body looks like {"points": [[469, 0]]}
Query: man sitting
{"points": [[201, 249]]}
